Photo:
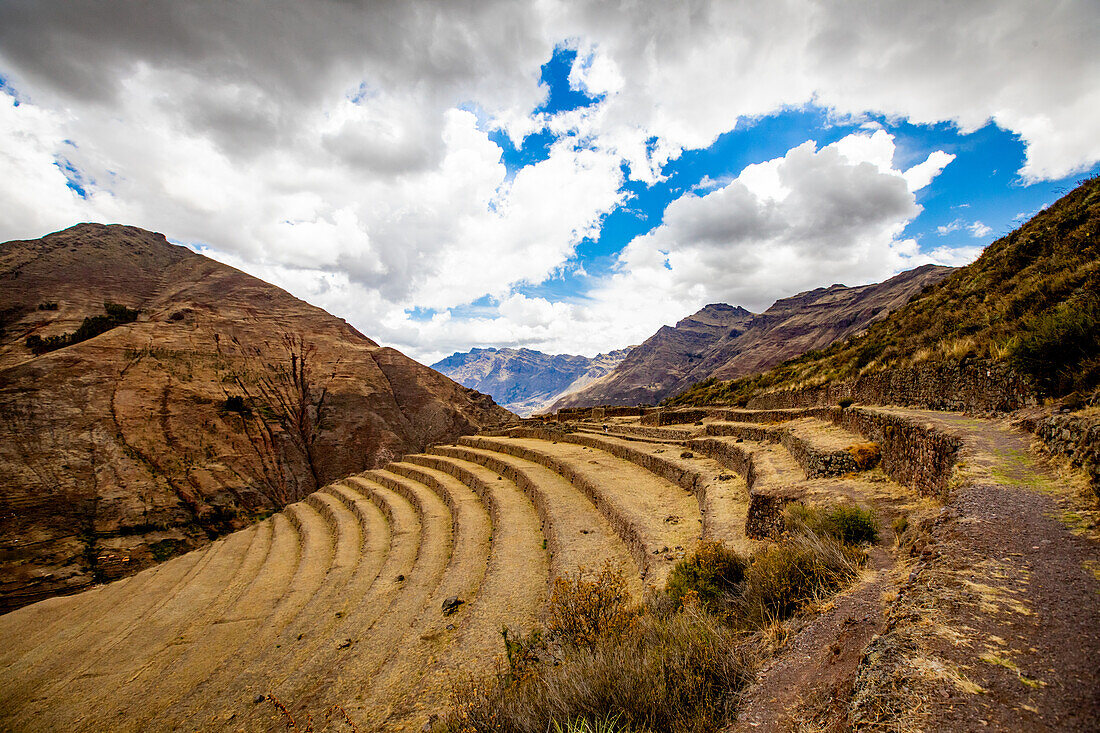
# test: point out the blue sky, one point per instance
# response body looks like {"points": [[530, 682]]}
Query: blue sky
{"points": [[977, 198], [564, 176]]}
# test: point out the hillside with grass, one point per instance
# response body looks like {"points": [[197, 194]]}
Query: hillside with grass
{"points": [[1031, 302]]}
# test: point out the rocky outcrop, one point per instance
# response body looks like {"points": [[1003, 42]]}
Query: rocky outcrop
{"points": [[527, 381], [726, 342], [224, 400]]}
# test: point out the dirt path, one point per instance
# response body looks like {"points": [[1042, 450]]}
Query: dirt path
{"points": [[811, 681], [998, 624]]}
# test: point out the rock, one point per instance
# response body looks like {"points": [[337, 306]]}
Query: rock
{"points": [[153, 430], [451, 605]]}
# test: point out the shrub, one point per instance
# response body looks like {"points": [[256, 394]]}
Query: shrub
{"points": [[866, 455], [1060, 349], [605, 666], [680, 673], [713, 572], [783, 578], [236, 403], [847, 523], [584, 607], [89, 328], [165, 549], [120, 314]]}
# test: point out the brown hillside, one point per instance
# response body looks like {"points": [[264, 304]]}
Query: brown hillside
{"points": [[1031, 303], [727, 342], [226, 399]]}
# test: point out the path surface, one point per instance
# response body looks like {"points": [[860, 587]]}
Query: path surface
{"points": [[998, 625]]}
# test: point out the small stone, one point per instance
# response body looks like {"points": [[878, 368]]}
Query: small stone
{"points": [[400, 578], [687, 454], [344, 644], [257, 700], [451, 605]]}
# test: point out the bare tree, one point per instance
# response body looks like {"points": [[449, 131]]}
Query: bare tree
{"points": [[290, 397]]}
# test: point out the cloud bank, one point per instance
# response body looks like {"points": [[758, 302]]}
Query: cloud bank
{"points": [[346, 151]]}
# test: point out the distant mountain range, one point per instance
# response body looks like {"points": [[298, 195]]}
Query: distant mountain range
{"points": [[726, 341], [1030, 302], [527, 381]]}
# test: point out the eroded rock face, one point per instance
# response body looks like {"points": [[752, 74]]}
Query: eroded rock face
{"points": [[728, 342], [226, 399]]}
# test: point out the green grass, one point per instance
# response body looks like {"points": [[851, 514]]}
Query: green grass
{"points": [[849, 524]]}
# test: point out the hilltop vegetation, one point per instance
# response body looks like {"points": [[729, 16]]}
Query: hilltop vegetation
{"points": [[1031, 300]]}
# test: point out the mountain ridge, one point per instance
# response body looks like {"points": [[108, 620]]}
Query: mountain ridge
{"points": [[524, 380], [729, 341]]}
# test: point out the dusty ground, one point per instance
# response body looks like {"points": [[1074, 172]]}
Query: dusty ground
{"points": [[997, 626], [982, 614]]}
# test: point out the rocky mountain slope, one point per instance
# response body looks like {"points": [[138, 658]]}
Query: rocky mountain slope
{"points": [[152, 398], [1028, 307], [523, 380], [727, 342]]}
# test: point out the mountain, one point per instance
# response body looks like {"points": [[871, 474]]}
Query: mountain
{"points": [[1030, 302], [523, 380], [726, 342], [152, 398]]}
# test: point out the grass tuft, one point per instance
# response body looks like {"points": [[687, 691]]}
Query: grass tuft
{"points": [[846, 523]]}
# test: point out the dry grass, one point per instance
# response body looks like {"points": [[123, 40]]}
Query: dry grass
{"points": [[583, 608], [678, 663], [785, 578], [680, 672], [866, 455]]}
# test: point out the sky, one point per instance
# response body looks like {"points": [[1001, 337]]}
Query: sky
{"points": [[561, 176]]}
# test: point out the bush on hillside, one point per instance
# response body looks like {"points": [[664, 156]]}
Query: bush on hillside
{"points": [[91, 327], [583, 607], [784, 578], [713, 573], [1060, 350], [849, 524]]}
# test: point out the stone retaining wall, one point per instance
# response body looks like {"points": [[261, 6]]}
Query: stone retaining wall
{"points": [[1077, 437], [673, 417], [912, 454], [814, 461], [663, 434], [656, 464], [976, 387]]}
